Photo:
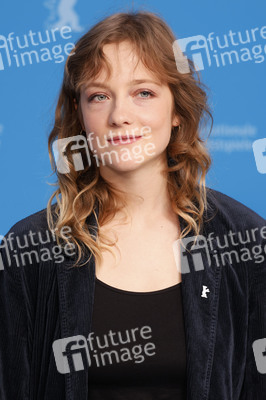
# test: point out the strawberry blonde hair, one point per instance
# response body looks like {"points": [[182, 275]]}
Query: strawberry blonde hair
{"points": [[78, 192]]}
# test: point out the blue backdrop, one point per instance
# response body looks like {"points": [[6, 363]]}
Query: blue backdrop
{"points": [[226, 39]]}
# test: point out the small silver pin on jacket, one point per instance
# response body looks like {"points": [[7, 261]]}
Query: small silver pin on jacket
{"points": [[205, 290]]}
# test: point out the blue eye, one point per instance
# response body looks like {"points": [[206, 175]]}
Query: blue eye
{"points": [[150, 94], [97, 96]]}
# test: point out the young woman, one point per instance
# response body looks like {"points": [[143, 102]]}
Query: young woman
{"points": [[108, 302]]}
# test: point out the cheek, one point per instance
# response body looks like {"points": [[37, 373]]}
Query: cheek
{"points": [[160, 123], [161, 127], [159, 116], [92, 121]]}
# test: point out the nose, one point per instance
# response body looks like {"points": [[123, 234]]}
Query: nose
{"points": [[120, 113]]}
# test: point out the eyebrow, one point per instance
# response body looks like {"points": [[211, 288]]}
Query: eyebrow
{"points": [[134, 82]]}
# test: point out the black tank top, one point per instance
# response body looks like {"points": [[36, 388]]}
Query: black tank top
{"points": [[137, 345]]}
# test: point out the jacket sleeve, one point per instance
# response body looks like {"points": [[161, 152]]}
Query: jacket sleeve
{"points": [[14, 338], [255, 376]]}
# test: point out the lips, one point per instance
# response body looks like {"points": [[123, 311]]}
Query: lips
{"points": [[123, 138], [120, 138]]}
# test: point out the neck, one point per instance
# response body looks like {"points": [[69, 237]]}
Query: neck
{"points": [[146, 191]]}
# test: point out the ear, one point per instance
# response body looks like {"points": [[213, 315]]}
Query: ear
{"points": [[176, 121], [75, 104]]}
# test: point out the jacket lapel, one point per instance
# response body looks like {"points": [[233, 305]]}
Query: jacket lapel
{"points": [[76, 296], [200, 318]]}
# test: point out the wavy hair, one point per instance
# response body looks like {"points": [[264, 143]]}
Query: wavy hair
{"points": [[79, 191]]}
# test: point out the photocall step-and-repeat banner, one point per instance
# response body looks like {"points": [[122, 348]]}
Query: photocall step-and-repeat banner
{"points": [[227, 42]]}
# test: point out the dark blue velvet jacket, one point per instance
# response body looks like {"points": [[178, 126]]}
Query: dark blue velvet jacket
{"points": [[47, 300]]}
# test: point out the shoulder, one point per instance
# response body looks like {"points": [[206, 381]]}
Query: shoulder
{"points": [[32, 223], [231, 213]]}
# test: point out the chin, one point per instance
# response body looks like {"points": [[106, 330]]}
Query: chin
{"points": [[125, 166]]}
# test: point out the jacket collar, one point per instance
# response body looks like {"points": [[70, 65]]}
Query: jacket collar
{"points": [[76, 297]]}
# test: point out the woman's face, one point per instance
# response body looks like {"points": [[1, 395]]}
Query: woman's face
{"points": [[128, 117]]}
